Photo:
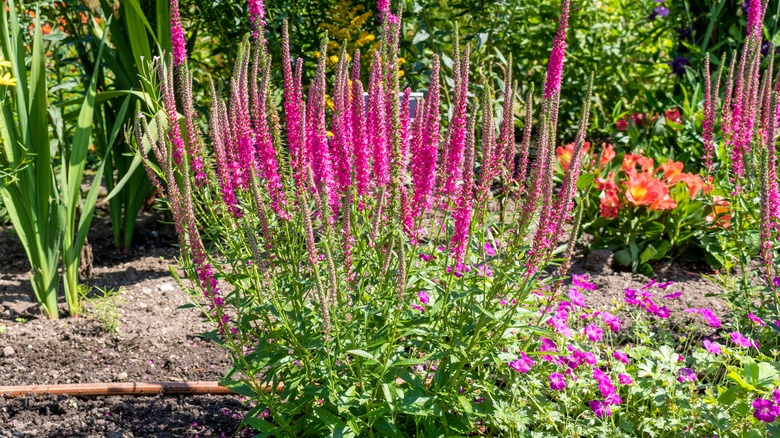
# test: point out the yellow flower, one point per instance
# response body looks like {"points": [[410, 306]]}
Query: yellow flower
{"points": [[316, 54], [334, 59], [7, 80], [5, 64]]}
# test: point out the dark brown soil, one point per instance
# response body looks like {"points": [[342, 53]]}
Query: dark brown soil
{"points": [[156, 340]]}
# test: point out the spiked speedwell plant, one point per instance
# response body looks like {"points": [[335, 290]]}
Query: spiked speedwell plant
{"points": [[350, 257]]}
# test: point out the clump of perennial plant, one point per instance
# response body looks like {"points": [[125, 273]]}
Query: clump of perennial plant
{"points": [[742, 156], [350, 257]]}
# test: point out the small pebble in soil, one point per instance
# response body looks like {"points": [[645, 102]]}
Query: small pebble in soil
{"points": [[121, 376], [8, 351]]}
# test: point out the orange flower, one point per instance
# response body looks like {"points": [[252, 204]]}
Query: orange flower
{"points": [[629, 162], [664, 203], [646, 164], [672, 170], [610, 204], [606, 184], [695, 184], [607, 154], [565, 153], [643, 189], [721, 212]]}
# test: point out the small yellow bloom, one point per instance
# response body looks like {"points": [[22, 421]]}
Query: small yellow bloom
{"points": [[7, 80], [328, 134], [334, 59], [5, 63], [316, 54]]}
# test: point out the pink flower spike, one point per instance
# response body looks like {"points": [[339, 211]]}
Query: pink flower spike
{"points": [[423, 297], [177, 35], [552, 86], [756, 319], [625, 379], [420, 308], [490, 250]]}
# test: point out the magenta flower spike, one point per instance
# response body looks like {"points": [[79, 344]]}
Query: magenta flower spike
{"points": [[341, 145], [292, 109], [177, 35], [265, 153], [457, 134], [244, 161], [318, 153], [424, 163], [359, 143], [552, 85], [377, 123], [257, 17], [464, 201]]}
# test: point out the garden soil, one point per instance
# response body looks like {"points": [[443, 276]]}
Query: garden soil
{"points": [[156, 340]]}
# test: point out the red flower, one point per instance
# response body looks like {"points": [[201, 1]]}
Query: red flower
{"points": [[673, 115], [622, 124]]}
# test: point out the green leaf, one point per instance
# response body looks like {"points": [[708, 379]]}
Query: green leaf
{"points": [[238, 387], [362, 353]]}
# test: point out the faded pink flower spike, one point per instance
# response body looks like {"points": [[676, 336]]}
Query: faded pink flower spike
{"points": [[359, 144], [552, 86]]}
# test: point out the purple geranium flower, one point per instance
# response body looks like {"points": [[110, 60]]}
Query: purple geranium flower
{"points": [[611, 320], [523, 364], [600, 408], [593, 333], [765, 410], [576, 297], [557, 381], [712, 347], [581, 281], [686, 375], [623, 357], [739, 339]]}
